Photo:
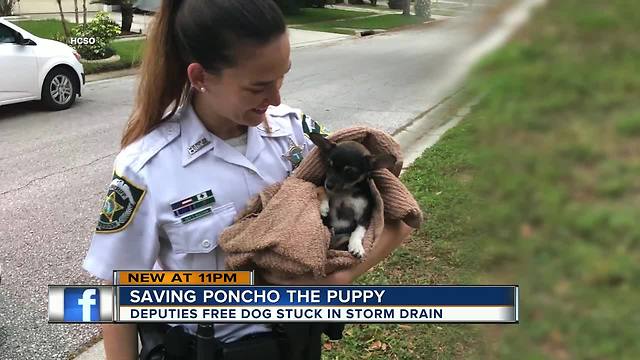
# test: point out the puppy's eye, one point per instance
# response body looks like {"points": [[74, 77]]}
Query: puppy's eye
{"points": [[349, 171]]}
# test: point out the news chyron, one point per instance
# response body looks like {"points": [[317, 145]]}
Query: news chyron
{"points": [[80, 304], [232, 297]]}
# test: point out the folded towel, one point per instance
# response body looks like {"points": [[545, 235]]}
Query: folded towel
{"points": [[281, 229]]}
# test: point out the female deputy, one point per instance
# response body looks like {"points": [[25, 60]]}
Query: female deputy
{"points": [[207, 133]]}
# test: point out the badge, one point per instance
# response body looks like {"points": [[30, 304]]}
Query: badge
{"points": [[120, 204], [294, 154]]}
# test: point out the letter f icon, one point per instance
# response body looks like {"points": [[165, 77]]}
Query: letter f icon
{"points": [[87, 301]]}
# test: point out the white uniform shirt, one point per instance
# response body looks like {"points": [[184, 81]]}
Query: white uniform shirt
{"points": [[144, 221]]}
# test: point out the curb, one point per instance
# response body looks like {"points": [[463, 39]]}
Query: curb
{"points": [[94, 352], [130, 38], [111, 74], [425, 130], [110, 60]]}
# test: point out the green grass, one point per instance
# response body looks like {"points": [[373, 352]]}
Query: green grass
{"points": [[629, 125], [383, 22], [130, 56], [538, 186], [311, 15], [44, 28], [558, 132]]}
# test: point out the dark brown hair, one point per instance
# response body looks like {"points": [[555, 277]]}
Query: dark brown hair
{"points": [[204, 31]]}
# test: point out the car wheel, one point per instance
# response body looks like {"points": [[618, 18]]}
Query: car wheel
{"points": [[59, 89]]}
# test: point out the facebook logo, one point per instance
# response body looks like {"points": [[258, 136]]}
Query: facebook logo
{"points": [[81, 304], [88, 303]]}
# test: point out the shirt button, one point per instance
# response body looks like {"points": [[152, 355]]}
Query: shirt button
{"points": [[206, 243]]}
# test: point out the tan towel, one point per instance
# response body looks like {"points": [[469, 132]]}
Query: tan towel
{"points": [[281, 229]]}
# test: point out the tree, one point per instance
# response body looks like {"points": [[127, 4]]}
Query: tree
{"points": [[75, 7], [126, 9], [84, 11], [64, 23], [423, 8], [406, 8]]}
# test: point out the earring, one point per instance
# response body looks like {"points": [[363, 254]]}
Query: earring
{"points": [[203, 89]]}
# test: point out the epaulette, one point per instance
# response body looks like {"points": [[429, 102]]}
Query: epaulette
{"points": [[136, 155], [283, 110]]}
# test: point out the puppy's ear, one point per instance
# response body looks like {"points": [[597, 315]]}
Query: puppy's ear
{"points": [[325, 145], [382, 161]]}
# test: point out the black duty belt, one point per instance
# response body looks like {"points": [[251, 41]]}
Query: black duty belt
{"points": [[294, 341]]}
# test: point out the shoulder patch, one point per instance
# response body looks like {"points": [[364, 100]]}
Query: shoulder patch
{"points": [[120, 205], [310, 126]]}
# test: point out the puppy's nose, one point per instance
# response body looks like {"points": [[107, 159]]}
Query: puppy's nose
{"points": [[330, 185]]}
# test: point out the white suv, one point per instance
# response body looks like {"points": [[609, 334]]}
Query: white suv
{"points": [[32, 68]]}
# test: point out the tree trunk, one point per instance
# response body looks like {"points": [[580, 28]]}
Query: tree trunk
{"points": [[423, 8], [406, 9], [64, 23], [127, 18], [84, 12], [75, 7]]}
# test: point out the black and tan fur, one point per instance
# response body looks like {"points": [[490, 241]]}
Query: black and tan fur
{"points": [[346, 207]]}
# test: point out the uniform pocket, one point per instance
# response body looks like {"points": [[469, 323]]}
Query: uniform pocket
{"points": [[201, 235]]}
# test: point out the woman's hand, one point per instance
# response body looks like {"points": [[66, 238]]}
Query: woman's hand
{"points": [[393, 235]]}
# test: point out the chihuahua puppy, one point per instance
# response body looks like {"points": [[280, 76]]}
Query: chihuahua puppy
{"points": [[347, 204]]}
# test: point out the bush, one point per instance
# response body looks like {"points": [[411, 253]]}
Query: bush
{"points": [[290, 7], [98, 35]]}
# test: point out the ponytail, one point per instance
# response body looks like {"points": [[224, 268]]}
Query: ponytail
{"points": [[163, 76]]}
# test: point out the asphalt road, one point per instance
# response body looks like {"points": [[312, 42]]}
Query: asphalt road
{"points": [[54, 167]]}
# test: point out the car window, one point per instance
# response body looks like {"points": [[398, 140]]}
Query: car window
{"points": [[6, 35]]}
